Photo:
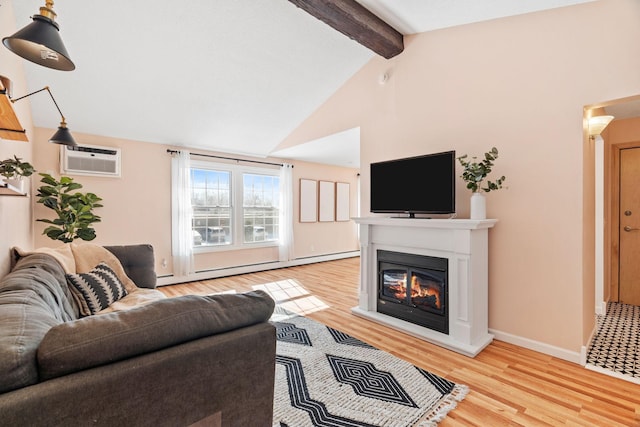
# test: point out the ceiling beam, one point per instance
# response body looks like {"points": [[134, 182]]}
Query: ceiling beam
{"points": [[356, 22]]}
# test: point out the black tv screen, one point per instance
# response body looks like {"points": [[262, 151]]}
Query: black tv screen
{"points": [[415, 185]]}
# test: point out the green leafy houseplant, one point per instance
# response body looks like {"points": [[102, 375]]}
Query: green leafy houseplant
{"points": [[15, 168], [74, 210], [475, 172]]}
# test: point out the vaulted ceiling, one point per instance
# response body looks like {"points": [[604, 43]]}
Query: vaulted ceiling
{"points": [[230, 76]]}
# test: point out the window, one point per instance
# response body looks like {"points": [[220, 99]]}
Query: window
{"points": [[211, 203], [260, 207], [234, 206]]}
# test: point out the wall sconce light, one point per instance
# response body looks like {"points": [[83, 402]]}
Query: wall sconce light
{"points": [[598, 121], [40, 41], [62, 135]]}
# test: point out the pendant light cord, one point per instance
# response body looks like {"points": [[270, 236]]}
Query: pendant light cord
{"points": [[50, 94]]}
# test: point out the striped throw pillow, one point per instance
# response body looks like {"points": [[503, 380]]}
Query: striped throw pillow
{"points": [[97, 289]]}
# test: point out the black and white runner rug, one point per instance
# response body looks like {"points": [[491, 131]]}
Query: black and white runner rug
{"points": [[327, 378], [615, 348]]}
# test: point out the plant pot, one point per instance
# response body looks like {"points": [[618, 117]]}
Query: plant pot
{"points": [[478, 206]]}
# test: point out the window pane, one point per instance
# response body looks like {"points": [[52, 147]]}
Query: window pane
{"points": [[261, 199], [210, 198]]}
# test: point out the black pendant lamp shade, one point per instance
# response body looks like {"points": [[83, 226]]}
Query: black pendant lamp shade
{"points": [[40, 41], [63, 136]]}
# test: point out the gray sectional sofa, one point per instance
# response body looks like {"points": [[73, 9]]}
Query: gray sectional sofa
{"points": [[203, 360]]}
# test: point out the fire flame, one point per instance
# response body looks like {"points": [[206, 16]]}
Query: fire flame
{"points": [[418, 290]]}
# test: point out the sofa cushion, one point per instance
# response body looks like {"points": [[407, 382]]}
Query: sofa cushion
{"points": [[138, 262], [97, 289], [107, 338], [45, 275], [33, 298]]}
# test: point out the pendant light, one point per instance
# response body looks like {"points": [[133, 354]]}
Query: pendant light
{"points": [[63, 136], [40, 41]]}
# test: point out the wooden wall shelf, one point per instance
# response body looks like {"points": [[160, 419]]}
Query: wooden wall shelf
{"points": [[10, 127], [10, 190]]}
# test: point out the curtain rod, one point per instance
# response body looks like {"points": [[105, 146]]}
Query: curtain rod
{"points": [[227, 158]]}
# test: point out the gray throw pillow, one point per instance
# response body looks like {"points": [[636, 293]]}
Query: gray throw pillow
{"points": [[97, 289]]}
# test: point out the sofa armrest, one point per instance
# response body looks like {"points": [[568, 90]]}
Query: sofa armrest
{"points": [[138, 262], [230, 373], [105, 338]]}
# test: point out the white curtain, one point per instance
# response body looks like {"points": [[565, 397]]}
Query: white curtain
{"points": [[286, 212], [182, 214]]}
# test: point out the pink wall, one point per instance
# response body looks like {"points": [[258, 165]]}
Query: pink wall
{"points": [[519, 84], [337, 236], [137, 206], [15, 212]]}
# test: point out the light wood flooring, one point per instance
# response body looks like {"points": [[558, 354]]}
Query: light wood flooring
{"points": [[510, 385]]}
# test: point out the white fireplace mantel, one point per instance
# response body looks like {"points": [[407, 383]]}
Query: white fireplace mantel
{"points": [[464, 243]]}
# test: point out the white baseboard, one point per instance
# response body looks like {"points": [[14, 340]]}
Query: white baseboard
{"points": [[584, 349], [560, 353], [601, 309], [232, 271]]}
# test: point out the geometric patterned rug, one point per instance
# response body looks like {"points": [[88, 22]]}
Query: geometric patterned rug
{"points": [[616, 344], [325, 377]]}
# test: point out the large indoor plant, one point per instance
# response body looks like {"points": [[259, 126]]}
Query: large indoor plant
{"points": [[474, 174], [14, 170], [74, 209]]}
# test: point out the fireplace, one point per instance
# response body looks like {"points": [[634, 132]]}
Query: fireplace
{"points": [[414, 288], [463, 243]]}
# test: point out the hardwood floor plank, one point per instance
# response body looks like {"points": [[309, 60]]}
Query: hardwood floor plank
{"points": [[509, 385]]}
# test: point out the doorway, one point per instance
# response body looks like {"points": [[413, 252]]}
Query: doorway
{"points": [[629, 226], [618, 205], [617, 171]]}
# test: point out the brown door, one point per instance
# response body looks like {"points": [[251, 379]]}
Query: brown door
{"points": [[630, 226]]}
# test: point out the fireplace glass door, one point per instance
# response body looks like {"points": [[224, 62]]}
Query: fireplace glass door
{"points": [[413, 288], [420, 289]]}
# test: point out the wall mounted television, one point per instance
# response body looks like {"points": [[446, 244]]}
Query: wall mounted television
{"points": [[415, 185]]}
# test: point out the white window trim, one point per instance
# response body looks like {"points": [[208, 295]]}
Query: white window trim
{"points": [[236, 204]]}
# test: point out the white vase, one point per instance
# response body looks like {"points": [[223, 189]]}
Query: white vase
{"points": [[478, 206]]}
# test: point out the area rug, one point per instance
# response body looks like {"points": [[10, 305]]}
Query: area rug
{"points": [[325, 377], [615, 348]]}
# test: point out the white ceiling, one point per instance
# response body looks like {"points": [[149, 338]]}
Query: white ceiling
{"points": [[418, 16], [229, 76]]}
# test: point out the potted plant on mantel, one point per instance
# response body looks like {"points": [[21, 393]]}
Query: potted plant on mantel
{"points": [[74, 210], [474, 173], [14, 170]]}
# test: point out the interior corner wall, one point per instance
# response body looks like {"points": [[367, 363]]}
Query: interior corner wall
{"points": [[322, 238], [519, 84], [137, 206], [15, 212]]}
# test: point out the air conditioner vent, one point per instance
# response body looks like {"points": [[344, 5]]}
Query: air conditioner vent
{"points": [[87, 149], [90, 160]]}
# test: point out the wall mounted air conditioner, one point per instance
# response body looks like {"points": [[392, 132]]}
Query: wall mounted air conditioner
{"points": [[90, 160]]}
